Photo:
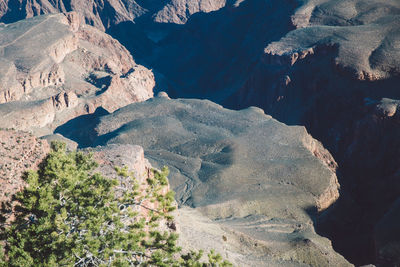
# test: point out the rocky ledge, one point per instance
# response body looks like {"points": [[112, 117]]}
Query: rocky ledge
{"points": [[104, 14], [257, 182], [365, 36]]}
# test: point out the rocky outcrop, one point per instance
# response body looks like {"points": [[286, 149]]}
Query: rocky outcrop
{"points": [[70, 145], [130, 156], [100, 14], [365, 49], [56, 68], [329, 65], [256, 178], [104, 14], [179, 11]]}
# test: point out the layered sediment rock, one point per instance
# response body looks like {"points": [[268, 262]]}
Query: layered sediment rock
{"points": [[56, 68], [179, 11], [104, 14], [100, 14], [329, 65]]}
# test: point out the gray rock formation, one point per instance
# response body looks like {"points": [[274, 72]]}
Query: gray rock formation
{"points": [[332, 66], [53, 68], [364, 34], [70, 145], [130, 156], [258, 179]]}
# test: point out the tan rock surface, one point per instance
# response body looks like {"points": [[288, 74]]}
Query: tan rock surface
{"points": [[179, 11], [104, 14], [93, 11], [55, 68]]}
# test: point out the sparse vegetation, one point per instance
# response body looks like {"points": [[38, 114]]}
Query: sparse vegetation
{"points": [[69, 216]]}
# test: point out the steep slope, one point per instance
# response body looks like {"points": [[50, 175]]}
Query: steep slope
{"points": [[104, 14], [21, 151], [53, 68], [258, 178], [179, 11], [100, 14]]}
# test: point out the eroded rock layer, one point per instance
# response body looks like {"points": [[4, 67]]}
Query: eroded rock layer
{"points": [[54, 68], [104, 14]]}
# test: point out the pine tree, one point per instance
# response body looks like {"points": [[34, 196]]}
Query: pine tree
{"points": [[70, 216]]}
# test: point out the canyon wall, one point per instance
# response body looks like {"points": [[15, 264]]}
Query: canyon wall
{"points": [[55, 67]]}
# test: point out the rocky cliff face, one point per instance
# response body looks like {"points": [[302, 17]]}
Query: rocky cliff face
{"points": [[387, 236], [55, 68], [266, 195], [179, 11], [100, 14], [104, 14]]}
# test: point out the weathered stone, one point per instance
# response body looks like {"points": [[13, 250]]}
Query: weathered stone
{"points": [[54, 68]]}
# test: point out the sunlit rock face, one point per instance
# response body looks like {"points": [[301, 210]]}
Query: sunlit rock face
{"points": [[104, 14], [54, 68]]}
